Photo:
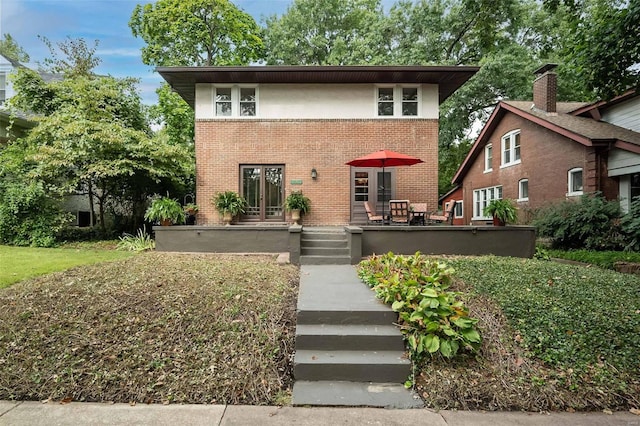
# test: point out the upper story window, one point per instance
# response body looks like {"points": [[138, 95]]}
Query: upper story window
{"points": [[235, 101], [523, 190], [488, 158], [3, 87], [575, 181], [511, 148], [397, 101]]}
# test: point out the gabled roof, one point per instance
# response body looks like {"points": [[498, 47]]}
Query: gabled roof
{"points": [[583, 130], [448, 78], [594, 109]]}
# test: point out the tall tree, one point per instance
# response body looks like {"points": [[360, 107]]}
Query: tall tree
{"points": [[196, 33], [604, 47], [10, 49], [71, 57], [330, 32]]}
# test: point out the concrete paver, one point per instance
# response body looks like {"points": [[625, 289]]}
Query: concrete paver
{"points": [[322, 416], [6, 406], [78, 413], [516, 418]]}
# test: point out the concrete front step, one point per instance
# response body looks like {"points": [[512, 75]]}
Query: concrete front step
{"points": [[324, 251], [353, 316], [354, 394], [340, 236], [330, 337], [324, 260], [351, 366], [342, 243]]}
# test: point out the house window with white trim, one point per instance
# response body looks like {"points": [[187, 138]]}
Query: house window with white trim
{"points": [[511, 148], [235, 101], [457, 210], [397, 101], [482, 197], [488, 158], [575, 181], [523, 190], [3, 87]]}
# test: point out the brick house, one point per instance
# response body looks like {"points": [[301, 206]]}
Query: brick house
{"points": [[265, 131], [542, 151], [453, 200]]}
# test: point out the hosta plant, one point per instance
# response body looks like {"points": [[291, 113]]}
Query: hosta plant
{"points": [[431, 317]]}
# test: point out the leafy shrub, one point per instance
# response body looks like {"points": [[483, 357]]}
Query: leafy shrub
{"points": [[140, 242], [603, 259], [541, 253], [630, 225], [28, 217], [592, 222], [432, 320]]}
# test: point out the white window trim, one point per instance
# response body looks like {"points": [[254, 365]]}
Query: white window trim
{"points": [[397, 100], [570, 182], [479, 215], [511, 136], [522, 199], [487, 148], [235, 100], [455, 212]]}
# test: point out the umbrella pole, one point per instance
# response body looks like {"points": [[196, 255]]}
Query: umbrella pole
{"points": [[383, 202]]}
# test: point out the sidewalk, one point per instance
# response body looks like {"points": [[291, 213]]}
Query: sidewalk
{"points": [[77, 413]]}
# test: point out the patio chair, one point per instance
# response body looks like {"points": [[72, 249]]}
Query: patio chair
{"points": [[399, 212], [418, 213], [371, 216], [438, 217]]}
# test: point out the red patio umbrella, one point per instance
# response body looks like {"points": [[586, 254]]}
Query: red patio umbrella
{"points": [[384, 158]]}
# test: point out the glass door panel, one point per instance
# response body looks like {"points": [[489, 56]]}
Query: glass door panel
{"points": [[361, 186], [251, 177], [273, 192]]}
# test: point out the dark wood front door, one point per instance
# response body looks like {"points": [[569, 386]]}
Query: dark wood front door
{"points": [[262, 187]]}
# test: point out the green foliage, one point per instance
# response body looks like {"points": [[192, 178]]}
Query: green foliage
{"points": [[165, 209], [630, 225], [571, 317], [502, 209], [432, 319], [176, 116], [12, 50], [591, 222], [330, 32], [191, 208], [297, 201], [139, 242], [229, 202], [541, 254], [196, 33], [77, 58], [603, 259], [28, 216]]}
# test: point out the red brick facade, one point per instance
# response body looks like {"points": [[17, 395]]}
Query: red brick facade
{"points": [[546, 158], [453, 197], [222, 146]]}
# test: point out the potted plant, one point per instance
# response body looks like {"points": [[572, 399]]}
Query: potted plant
{"points": [[297, 204], [229, 204], [165, 210], [502, 211], [191, 209]]}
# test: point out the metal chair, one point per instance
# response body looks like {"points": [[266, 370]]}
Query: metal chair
{"points": [[371, 216], [399, 212]]}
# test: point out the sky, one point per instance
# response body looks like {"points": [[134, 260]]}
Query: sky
{"points": [[103, 20]]}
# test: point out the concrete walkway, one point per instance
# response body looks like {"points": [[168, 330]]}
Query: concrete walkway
{"points": [[76, 413]]}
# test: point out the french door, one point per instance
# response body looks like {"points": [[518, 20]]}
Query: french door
{"points": [[263, 188], [373, 185]]}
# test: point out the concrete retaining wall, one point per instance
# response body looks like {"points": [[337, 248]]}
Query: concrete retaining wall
{"points": [[223, 239], [516, 241]]}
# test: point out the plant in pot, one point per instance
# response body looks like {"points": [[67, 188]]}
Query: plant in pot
{"points": [[502, 211], [191, 209], [229, 204], [166, 211], [297, 204]]}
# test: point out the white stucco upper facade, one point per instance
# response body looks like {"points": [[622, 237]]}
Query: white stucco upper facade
{"points": [[318, 101]]}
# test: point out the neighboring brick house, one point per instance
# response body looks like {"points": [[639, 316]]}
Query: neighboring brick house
{"points": [[447, 201], [265, 131], [545, 151]]}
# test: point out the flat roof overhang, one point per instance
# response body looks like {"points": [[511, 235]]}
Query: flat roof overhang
{"points": [[448, 78]]}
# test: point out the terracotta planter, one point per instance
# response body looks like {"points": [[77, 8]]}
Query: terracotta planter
{"points": [[227, 218], [165, 222], [497, 222], [295, 216]]}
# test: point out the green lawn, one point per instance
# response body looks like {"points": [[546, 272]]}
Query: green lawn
{"points": [[19, 263]]}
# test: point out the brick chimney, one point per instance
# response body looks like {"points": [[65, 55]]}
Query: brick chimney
{"points": [[545, 88]]}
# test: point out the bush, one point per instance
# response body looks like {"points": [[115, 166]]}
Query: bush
{"points": [[432, 320], [603, 259], [28, 217], [139, 242], [630, 225], [591, 223]]}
